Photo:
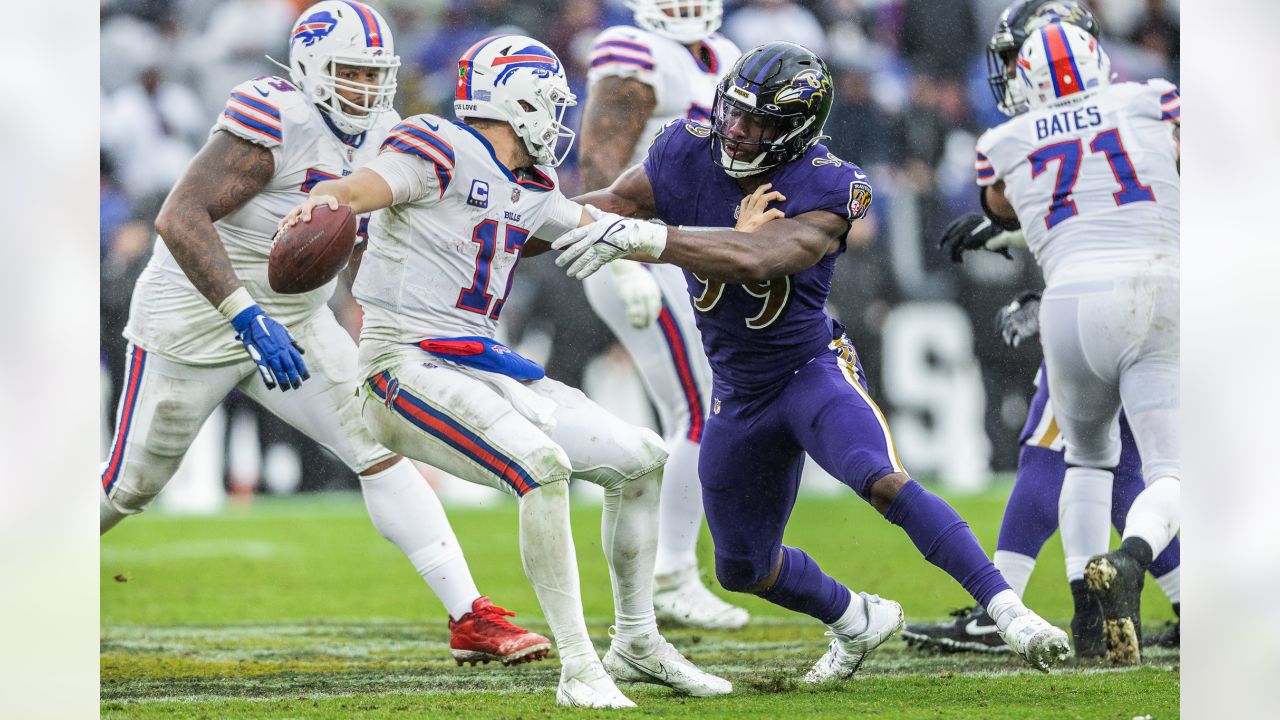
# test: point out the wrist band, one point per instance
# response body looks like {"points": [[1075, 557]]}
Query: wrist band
{"points": [[236, 303]]}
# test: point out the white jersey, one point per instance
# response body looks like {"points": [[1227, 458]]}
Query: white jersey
{"points": [[168, 316], [441, 260], [1094, 183], [683, 85]]}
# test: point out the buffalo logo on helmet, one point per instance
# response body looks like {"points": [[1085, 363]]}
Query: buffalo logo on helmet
{"points": [[806, 88], [859, 199], [316, 27], [533, 57]]}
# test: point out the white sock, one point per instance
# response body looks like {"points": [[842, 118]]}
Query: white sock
{"points": [[680, 510], [407, 512], [1170, 584], [628, 533], [1084, 515], [108, 515], [546, 549], [855, 620], [1155, 515], [1016, 569], [1005, 607]]}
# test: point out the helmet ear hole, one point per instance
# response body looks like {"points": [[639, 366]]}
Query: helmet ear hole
{"points": [[526, 106]]}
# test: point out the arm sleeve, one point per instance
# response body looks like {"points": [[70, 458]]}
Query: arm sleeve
{"points": [[622, 52], [561, 216], [416, 162], [985, 171]]}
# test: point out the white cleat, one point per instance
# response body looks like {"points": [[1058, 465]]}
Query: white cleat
{"points": [[689, 603], [663, 665], [1038, 642], [845, 653], [589, 685]]}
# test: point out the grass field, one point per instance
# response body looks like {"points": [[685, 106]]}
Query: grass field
{"points": [[296, 608]]}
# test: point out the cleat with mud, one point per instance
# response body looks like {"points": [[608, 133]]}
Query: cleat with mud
{"points": [[1116, 579]]}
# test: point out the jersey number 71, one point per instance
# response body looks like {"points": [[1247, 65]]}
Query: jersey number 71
{"points": [[1068, 155]]}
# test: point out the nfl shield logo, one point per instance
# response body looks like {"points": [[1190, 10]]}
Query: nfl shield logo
{"points": [[515, 194], [715, 407]]}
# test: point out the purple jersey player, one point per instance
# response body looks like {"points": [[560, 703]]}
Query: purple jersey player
{"points": [[786, 379]]}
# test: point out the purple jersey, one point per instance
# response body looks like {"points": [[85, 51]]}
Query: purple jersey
{"points": [[754, 334]]}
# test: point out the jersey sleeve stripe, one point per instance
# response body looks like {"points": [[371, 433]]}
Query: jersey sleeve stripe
{"points": [[986, 173], [265, 108], [1174, 114], [236, 105], [1168, 97], [624, 45], [621, 52], [410, 146], [428, 137], [253, 124], [607, 59]]}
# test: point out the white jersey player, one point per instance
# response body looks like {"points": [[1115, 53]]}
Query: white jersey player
{"points": [[459, 203], [1091, 174], [204, 320], [641, 78]]}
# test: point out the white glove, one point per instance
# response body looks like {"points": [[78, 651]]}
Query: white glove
{"points": [[638, 291], [608, 238], [1007, 239]]}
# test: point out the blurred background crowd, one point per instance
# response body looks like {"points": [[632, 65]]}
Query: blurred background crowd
{"points": [[911, 99]]}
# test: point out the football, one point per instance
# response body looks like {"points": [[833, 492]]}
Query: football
{"points": [[310, 254]]}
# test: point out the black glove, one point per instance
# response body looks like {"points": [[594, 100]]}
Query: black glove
{"points": [[970, 232], [1020, 319]]}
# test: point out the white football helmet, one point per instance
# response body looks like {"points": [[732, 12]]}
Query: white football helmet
{"points": [[1060, 63], [518, 80], [685, 21], [343, 32]]}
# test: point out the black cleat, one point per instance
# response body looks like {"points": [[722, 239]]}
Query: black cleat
{"points": [[973, 630], [1117, 578], [1086, 624]]}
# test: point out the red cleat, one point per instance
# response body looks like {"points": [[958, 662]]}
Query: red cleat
{"points": [[484, 634]]}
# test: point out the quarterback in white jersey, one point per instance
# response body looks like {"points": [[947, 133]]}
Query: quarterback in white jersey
{"points": [[458, 204], [1091, 173], [641, 78], [204, 320]]}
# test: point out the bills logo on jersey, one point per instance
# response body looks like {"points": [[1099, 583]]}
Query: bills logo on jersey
{"points": [[806, 88], [859, 199], [316, 27], [479, 195]]}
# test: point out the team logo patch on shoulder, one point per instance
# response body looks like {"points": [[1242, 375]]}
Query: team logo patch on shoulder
{"points": [[698, 129], [859, 199], [806, 88], [316, 27]]}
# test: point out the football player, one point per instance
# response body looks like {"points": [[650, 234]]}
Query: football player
{"points": [[1030, 517], [459, 204], [786, 379], [1090, 173], [641, 78], [204, 320]]}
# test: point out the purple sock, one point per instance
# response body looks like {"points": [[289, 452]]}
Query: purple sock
{"points": [[803, 587], [1031, 516], [945, 540]]}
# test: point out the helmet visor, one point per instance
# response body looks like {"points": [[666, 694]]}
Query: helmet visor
{"points": [[745, 132]]}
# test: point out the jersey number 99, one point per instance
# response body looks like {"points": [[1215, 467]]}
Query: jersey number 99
{"points": [[775, 294]]}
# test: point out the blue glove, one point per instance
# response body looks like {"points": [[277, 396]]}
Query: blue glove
{"points": [[277, 354]]}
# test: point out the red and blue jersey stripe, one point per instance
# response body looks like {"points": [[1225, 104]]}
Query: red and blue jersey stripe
{"points": [[684, 371], [983, 165], [438, 424], [124, 417], [254, 114], [1170, 106], [1062, 63], [421, 142], [621, 52], [372, 28]]}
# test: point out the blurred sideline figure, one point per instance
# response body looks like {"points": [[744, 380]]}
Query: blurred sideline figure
{"points": [[204, 320], [641, 78]]}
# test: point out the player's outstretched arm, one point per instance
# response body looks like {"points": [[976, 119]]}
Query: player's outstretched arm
{"points": [[226, 173], [363, 190], [615, 116]]}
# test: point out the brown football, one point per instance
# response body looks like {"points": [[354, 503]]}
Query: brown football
{"points": [[310, 254]]}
